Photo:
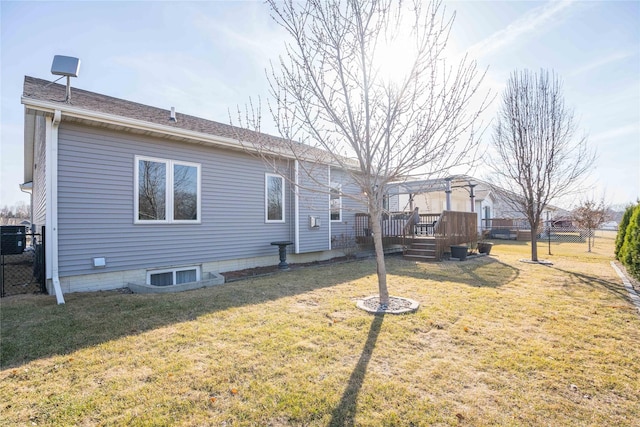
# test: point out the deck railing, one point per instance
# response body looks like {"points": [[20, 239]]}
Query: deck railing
{"points": [[396, 226], [455, 228], [392, 225]]}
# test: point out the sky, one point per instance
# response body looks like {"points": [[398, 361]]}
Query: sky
{"points": [[208, 58]]}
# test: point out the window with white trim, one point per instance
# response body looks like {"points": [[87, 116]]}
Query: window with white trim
{"points": [[166, 191], [274, 198], [174, 276], [335, 202]]}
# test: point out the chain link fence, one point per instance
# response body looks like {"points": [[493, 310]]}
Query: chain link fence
{"points": [[550, 236], [22, 268], [577, 239]]}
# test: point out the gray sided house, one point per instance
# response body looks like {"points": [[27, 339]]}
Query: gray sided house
{"points": [[130, 193]]}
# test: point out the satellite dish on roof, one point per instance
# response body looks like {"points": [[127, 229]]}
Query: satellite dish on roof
{"points": [[66, 66]]}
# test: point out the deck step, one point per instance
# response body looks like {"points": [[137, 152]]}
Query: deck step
{"points": [[423, 246], [421, 249], [420, 257], [420, 252]]}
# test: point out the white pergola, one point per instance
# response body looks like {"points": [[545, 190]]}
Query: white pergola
{"points": [[447, 185]]}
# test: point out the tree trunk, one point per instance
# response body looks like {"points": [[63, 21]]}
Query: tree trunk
{"points": [[534, 242], [376, 228]]}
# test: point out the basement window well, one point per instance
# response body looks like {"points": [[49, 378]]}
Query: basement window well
{"points": [[174, 276]]}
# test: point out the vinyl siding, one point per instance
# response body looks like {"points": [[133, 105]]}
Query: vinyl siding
{"points": [[394, 202], [39, 192], [313, 201], [345, 229], [96, 205]]}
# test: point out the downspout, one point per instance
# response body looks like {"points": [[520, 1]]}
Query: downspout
{"points": [[296, 208], [329, 185], [27, 188], [52, 201]]}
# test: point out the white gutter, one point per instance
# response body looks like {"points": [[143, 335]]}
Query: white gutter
{"points": [[27, 188], [145, 126], [52, 202], [81, 113], [296, 220]]}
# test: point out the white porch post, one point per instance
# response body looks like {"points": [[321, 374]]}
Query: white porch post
{"points": [[472, 195], [329, 203], [296, 207], [448, 193]]}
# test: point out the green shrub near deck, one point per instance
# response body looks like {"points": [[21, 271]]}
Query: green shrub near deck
{"points": [[629, 253], [622, 231]]}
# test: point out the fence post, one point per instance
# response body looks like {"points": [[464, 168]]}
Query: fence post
{"points": [[2, 276], [549, 232]]}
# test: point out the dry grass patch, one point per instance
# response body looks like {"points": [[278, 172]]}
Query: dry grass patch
{"points": [[495, 342]]}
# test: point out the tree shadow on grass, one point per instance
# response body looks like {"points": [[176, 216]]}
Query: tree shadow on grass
{"points": [[344, 413], [614, 287], [483, 271], [34, 327]]}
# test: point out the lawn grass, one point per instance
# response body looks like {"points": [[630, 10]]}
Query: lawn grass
{"points": [[495, 342]]}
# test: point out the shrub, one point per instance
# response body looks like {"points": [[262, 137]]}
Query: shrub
{"points": [[630, 250], [622, 230]]}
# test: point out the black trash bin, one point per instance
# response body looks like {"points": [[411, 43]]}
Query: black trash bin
{"points": [[13, 239]]}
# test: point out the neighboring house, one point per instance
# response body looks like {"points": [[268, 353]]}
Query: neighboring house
{"points": [[130, 193], [503, 209]]}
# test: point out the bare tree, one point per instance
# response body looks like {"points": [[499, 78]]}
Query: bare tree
{"points": [[152, 190], [536, 155], [339, 100], [590, 215], [185, 192], [16, 213]]}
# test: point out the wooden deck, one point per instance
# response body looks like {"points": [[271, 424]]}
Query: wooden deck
{"points": [[423, 237]]}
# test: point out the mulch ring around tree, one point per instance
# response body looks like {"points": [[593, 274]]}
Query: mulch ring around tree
{"points": [[397, 305]]}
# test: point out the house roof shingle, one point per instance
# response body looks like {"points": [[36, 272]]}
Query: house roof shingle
{"points": [[43, 90]]}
